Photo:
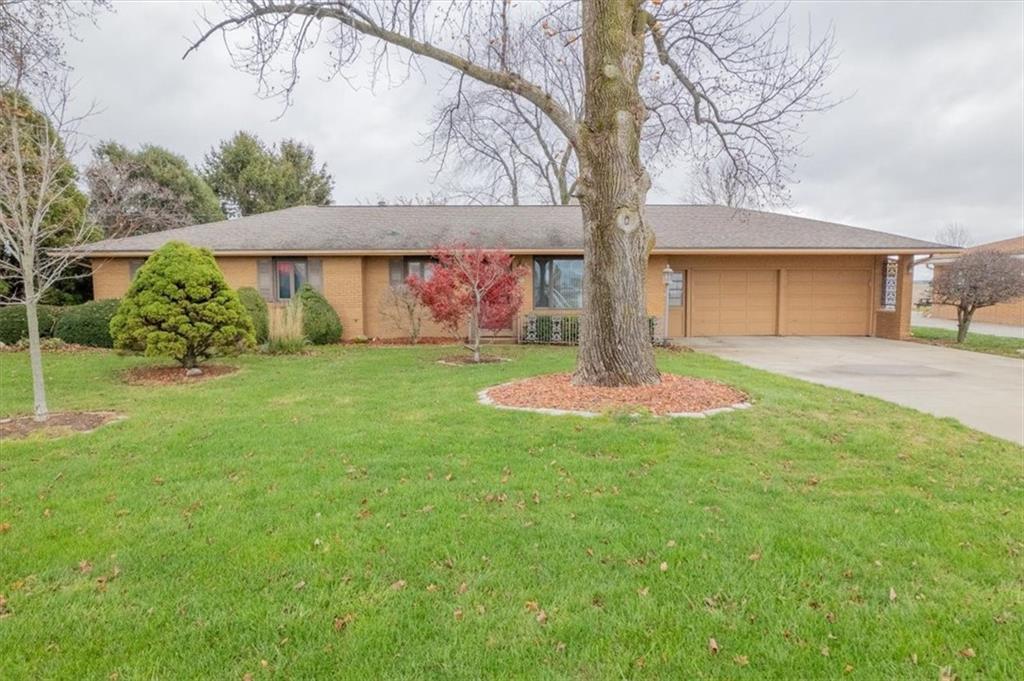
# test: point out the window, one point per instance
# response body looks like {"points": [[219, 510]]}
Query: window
{"points": [[675, 289], [558, 283], [289, 276], [133, 266], [421, 268], [890, 271]]}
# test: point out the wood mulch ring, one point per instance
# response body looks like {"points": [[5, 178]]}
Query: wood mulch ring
{"points": [[674, 396], [57, 425], [467, 360], [176, 375]]}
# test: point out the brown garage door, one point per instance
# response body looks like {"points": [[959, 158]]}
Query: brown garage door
{"points": [[827, 302], [734, 302]]}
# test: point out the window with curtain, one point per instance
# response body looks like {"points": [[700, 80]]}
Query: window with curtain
{"points": [[289, 276], [421, 268], [558, 282]]}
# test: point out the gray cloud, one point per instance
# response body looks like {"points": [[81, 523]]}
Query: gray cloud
{"points": [[931, 134]]}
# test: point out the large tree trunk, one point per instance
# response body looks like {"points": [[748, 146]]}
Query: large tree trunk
{"points": [[615, 343]]}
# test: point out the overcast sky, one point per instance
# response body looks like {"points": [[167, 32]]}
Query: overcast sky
{"points": [[933, 132]]}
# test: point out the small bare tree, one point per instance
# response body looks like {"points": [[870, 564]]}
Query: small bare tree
{"points": [[402, 308], [954, 234], [975, 280], [718, 184], [38, 137]]}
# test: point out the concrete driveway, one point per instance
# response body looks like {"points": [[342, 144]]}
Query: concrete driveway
{"points": [[985, 392]]}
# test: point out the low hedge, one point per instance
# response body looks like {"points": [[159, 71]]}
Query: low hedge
{"points": [[87, 324], [320, 322], [254, 304], [14, 322]]}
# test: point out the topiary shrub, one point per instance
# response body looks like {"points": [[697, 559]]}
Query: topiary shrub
{"points": [[319, 320], [87, 324], [14, 322], [180, 306], [254, 304]]}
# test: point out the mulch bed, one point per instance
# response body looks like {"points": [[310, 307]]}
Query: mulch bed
{"points": [[467, 360], [675, 394], [174, 375], [61, 423]]}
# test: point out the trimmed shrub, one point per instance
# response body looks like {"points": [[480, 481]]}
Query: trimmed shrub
{"points": [[179, 306], [87, 324], [254, 304], [320, 322], [14, 322]]}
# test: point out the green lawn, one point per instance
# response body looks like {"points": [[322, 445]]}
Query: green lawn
{"points": [[978, 342], [356, 514]]}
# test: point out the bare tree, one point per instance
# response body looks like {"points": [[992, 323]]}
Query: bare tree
{"points": [[723, 78], [125, 202], [434, 198], [718, 184], [975, 280], [400, 306], [38, 137], [35, 176], [954, 234]]}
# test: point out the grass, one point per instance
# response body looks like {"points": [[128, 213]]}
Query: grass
{"points": [[355, 514], [977, 342]]}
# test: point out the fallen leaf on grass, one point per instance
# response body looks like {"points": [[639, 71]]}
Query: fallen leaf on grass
{"points": [[399, 585], [741, 660], [671, 543], [5, 528], [463, 588], [892, 594], [532, 606], [664, 566], [756, 555], [946, 674], [824, 651], [431, 588], [343, 621], [458, 614], [713, 646], [967, 652], [84, 566], [299, 586], [560, 647], [643, 591], [542, 617], [848, 668]]}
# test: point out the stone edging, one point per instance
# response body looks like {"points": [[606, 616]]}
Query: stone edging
{"points": [[483, 397]]}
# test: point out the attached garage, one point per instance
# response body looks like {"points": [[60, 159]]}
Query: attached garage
{"points": [[827, 303], [785, 301], [734, 302]]}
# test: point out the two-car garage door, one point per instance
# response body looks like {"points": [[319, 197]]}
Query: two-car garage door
{"points": [[747, 302]]}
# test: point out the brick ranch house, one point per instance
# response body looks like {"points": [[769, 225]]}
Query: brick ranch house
{"points": [[1010, 312], [732, 271]]}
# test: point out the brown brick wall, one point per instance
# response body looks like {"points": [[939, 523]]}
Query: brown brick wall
{"points": [[355, 285]]}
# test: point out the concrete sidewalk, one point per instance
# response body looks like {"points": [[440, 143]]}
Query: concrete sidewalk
{"points": [[982, 391], [918, 319]]}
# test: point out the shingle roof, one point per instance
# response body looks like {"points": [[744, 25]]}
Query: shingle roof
{"points": [[1014, 246], [518, 228]]}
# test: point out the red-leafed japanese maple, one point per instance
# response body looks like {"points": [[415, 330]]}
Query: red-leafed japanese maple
{"points": [[472, 289]]}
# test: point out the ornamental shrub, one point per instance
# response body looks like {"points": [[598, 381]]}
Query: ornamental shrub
{"points": [[179, 306], [87, 324], [14, 322], [256, 306], [320, 322]]}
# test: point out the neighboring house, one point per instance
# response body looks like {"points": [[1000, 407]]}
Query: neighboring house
{"points": [[733, 271], [1010, 312]]}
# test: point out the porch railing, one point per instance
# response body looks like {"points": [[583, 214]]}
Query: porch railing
{"points": [[554, 329]]}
